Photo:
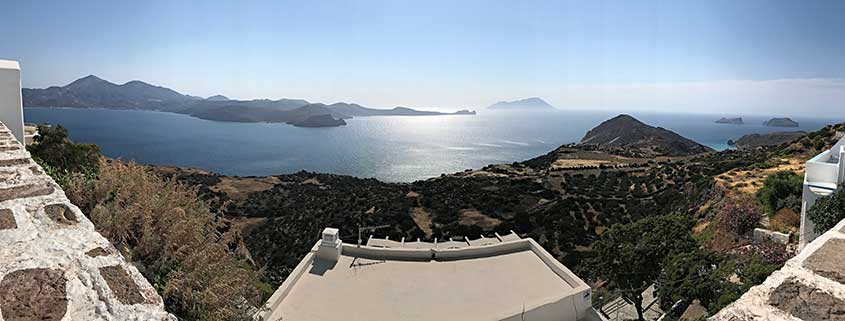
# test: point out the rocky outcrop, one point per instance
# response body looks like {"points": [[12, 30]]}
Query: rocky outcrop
{"points": [[53, 263], [809, 287], [780, 122]]}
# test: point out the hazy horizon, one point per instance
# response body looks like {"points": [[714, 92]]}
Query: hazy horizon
{"points": [[715, 57]]}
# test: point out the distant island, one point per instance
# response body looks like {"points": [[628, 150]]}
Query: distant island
{"points": [[94, 92], [780, 122], [320, 121], [631, 135], [732, 121], [533, 103], [770, 139]]}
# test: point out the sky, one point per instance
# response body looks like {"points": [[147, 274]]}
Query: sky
{"points": [[731, 57]]}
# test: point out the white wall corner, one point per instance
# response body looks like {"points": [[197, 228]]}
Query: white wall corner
{"points": [[11, 103]]}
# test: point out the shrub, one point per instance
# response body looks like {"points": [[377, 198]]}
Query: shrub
{"points": [[781, 190], [739, 215], [165, 227], [53, 148], [828, 211], [785, 220]]}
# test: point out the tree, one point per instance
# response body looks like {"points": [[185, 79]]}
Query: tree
{"points": [[630, 256], [777, 189], [698, 274], [53, 148], [828, 211]]}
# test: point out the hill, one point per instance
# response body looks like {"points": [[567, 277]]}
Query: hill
{"points": [[770, 139], [533, 103], [94, 92], [218, 98], [628, 133]]}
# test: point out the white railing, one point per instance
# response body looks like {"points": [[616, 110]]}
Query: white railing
{"points": [[822, 173]]}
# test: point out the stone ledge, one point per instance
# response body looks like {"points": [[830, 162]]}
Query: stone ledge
{"points": [[809, 287]]}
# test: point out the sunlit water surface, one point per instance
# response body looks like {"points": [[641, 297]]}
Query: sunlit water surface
{"points": [[388, 148]]}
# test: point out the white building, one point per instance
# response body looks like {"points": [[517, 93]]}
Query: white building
{"points": [[502, 278], [11, 111], [824, 173]]}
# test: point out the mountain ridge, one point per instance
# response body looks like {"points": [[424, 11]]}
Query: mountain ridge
{"points": [[94, 92]]}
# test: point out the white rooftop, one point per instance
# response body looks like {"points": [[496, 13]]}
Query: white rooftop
{"points": [[413, 281]]}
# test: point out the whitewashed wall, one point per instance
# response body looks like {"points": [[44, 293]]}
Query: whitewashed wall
{"points": [[11, 108]]}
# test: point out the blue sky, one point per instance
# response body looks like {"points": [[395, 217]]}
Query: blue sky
{"points": [[737, 57]]}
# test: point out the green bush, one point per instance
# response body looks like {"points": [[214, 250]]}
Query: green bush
{"points": [[53, 148], [688, 276], [780, 190], [828, 211]]}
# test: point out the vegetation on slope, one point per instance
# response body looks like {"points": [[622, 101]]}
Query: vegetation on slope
{"points": [[567, 200], [781, 190], [161, 226]]}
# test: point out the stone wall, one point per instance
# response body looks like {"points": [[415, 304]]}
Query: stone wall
{"points": [[53, 263], [810, 287]]}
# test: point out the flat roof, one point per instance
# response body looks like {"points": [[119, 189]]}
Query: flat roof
{"points": [[482, 288]]}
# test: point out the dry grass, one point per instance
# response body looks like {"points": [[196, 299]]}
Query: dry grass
{"points": [[785, 221], [475, 218], [423, 220], [166, 229], [240, 187], [750, 181], [570, 163]]}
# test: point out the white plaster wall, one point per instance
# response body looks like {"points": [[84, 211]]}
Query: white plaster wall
{"points": [[807, 227], [11, 108]]}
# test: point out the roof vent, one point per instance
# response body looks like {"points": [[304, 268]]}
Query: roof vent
{"points": [[330, 245]]}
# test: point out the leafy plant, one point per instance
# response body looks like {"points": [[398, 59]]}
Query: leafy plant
{"points": [[53, 148], [781, 190], [828, 211], [629, 256], [739, 215]]}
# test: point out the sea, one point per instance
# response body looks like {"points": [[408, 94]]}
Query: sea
{"points": [[391, 148]]}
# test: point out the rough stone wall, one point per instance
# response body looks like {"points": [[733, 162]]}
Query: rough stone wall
{"points": [[809, 287], [53, 263]]}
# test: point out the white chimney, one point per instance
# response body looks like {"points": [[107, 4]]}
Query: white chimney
{"points": [[330, 245]]}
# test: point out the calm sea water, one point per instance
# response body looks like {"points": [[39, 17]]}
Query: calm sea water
{"points": [[388, 148]]}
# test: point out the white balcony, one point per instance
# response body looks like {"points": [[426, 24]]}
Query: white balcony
{"points": [[824, 173]]}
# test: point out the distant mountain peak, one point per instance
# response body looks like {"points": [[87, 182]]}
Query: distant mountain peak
{"points": [[531, 103], [627, 132], [88, 80], [218, 98]]}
